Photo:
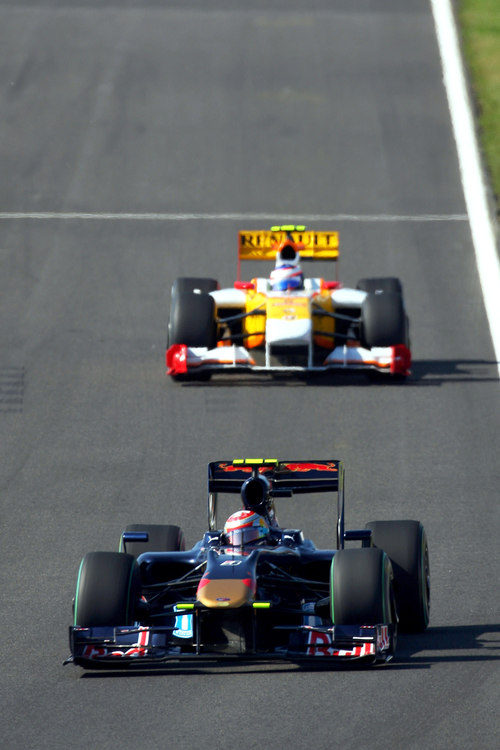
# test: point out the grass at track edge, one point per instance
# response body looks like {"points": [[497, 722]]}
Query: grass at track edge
{"points": [[479, 22]]}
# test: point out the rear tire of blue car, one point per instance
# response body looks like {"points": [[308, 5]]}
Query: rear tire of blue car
{"points": [[107, 590], [161, 538], [406, 544], [361, 588], [383, 320]]}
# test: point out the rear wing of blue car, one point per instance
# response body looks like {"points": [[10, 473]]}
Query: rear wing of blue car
{"points": [[283, 478], [293, 476]]}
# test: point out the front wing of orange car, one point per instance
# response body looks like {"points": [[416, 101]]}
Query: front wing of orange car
{"points": [[184, 361]]}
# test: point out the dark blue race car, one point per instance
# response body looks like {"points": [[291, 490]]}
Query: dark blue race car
{"points": [[253, 589]]}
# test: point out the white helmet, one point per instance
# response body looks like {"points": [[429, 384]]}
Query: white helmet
{"points": [[245, 527]]}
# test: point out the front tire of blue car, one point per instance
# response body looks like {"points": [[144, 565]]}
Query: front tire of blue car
{"points": [[107, 590], [361, 588]]}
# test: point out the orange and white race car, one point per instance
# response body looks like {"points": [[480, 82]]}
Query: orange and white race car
{"points": [[285, 322]]}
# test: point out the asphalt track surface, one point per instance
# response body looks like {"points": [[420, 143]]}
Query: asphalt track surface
{"points": [[284, 108]]}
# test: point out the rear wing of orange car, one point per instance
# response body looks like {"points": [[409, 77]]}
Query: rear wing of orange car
{"points": [[263, 244]]}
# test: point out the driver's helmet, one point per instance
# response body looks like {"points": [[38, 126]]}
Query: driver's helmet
{"points": [[287, 273], [245, 527]]}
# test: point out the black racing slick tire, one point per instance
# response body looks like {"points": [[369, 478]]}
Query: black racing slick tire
{"points": [[406, 544], [379, 285], [161, 538], [383, 320], [188, 284], [192, 320], [107, 590], [194, 284], [361, 588]]}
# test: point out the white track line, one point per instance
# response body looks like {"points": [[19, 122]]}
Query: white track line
{"points": [[73, 215], [481, 223]]}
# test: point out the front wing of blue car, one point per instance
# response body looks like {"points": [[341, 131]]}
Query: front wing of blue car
{"points": [[112, 647]]}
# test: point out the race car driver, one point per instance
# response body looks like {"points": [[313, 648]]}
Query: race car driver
{"points": [[287, 273], [245, 527]]}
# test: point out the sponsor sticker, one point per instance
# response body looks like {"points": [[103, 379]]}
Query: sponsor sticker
{"points": [[288, 308], [383, 640], [319, 644], [327, 466], [183, 626]]}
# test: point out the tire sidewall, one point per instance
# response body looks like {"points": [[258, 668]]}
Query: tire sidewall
{"points": [[360, 587], [383, 284], [106, 591], [405, 543], [192, 320], [383, 320]]}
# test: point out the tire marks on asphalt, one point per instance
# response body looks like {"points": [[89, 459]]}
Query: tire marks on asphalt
{"points": [[12, 382]]}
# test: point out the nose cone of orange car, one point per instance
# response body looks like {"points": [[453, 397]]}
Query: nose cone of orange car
{"points": [[229, 581], [289, 319]]}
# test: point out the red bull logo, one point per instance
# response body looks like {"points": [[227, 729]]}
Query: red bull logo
{"points": [[291, 466], [327, 466], [246, 469]]}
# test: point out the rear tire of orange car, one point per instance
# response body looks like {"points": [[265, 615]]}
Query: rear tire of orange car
{"points": [[382, 284], [194, 284], [383, 320], [192, 322]]}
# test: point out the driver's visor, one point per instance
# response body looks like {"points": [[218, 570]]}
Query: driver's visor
{"points": [[240, 537]]}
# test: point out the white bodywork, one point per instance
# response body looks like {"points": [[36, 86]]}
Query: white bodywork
{"points": [[289, 332], [342, 297], [348, 297]]}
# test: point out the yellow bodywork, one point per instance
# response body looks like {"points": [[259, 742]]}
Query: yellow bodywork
{"points": [[287, 308], [323, 324], [254, 326]]}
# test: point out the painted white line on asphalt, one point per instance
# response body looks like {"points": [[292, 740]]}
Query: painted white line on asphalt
{"points": [[45, 215], [481, 222]]}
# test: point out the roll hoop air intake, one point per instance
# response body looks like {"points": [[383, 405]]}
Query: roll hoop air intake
{"points": [[255, 494]]}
